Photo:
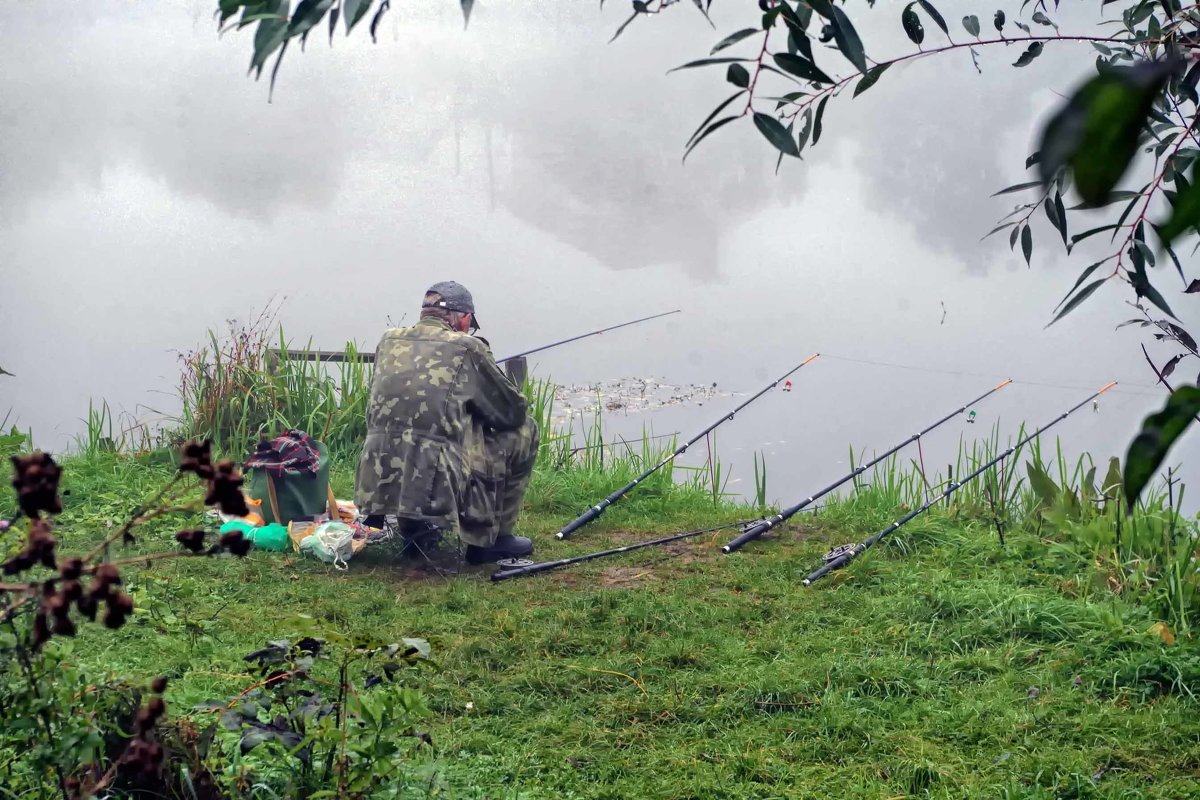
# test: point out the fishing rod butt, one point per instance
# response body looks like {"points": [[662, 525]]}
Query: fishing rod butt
{"points": [[746, 536], [583, 519]]}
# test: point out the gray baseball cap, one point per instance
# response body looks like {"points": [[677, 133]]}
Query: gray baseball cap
{"points": [[455, 297]]}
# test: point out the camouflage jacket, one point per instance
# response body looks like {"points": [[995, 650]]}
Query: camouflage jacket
{"points": [[434, 395]]}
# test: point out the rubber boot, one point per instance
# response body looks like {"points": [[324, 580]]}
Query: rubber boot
{"points": [[505, 546]]}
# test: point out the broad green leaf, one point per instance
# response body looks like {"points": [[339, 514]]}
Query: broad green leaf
{"points": [[1043, 486], [1112, 479], [847, 39], [1159, 432], [1042, 19], [935, 16], [733, 39], [998, 21], [1033, 51], [871, 78], [912, 24], [270, 35], [1084, 294], [774, 132], [1027, 244], [1185, 213], [704, 62], [715, 126], [801, 67], [1095, 135], [820, 116], [971, 24], [738, 75], [353, 11]]}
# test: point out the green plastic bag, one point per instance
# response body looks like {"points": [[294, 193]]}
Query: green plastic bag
{"points": [[270, 537], [301, 496]]}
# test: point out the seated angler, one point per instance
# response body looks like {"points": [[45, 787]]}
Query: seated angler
{"points": [[450, 443]]}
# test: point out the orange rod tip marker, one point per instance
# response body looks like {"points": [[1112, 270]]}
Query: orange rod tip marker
{"points": [[1003, 383], [1106, 388]]}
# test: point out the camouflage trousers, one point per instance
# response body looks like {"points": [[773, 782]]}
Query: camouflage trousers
{"points": [[493, 500]]}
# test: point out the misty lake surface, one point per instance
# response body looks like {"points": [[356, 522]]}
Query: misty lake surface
{"points": [[149, 191]]}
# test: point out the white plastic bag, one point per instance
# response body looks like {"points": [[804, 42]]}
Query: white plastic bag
{"points": [[332, 543]]}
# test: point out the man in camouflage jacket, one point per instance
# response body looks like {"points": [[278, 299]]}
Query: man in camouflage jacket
{"points": [[449, 442]]}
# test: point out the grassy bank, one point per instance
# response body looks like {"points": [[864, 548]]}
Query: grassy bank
{"points": [[940, 665]]}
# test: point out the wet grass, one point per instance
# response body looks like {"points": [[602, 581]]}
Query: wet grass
{"points": [[939, 665]]}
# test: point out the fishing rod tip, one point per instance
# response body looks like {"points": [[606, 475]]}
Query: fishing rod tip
{"points": [[1106, 388]]}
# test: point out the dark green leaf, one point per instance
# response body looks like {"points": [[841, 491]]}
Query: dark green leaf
{"points": [[1096, 133], [870, 78], [822, 7], [715, 111], [1042, 19], [1034, 158], [738, 75], [802, 139], [227, 9], [1027, 244], [353, 11], [801, 67], [1106, 51], [1023, 26], [971, 24], [467, 5], [1146, 253], [1185, 213], [998, 21], [1079, 237], [1083, 276], [997, 229], [333, 19], [307, 14], [1159, 432], [1018, 187], [270, 35], [704, 62], [1041, 484], [912, 25], [820, 116], [847, 39], [733, 39], [1033, 51], [935, 16], [1084, 294], [716, 125], [1184, 337], [774, 132], [1142, 286], [1187, 87], [1169, 367], [375, 20], [1193, 287], [1012, 237]]}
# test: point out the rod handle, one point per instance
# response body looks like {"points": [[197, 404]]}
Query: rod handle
{"points": [[520, 572], [829, 566], [746, 536], [583, 519]]}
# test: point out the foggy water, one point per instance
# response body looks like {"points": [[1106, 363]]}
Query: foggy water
{"points": [[149, 191]]}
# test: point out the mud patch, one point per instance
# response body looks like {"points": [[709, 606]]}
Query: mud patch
{"points": [[627, 577]]}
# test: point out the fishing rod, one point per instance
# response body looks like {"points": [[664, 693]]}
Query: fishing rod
{"points": [[843, 554], [532, 569], [598, 509], [338, 357], [585, 335], [770, 522]]}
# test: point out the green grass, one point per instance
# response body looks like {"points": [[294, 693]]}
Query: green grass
{"points": [[938, 665]]}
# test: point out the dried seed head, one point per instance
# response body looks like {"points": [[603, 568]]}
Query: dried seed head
{"points": [[71, 569], [87, 606], [191, 540], [236, 543], [41, 631], [224, 490], [158, 685], [63, 626], [35, 479], [197, 458], [120, 606], [72, 591], [41, 544]]}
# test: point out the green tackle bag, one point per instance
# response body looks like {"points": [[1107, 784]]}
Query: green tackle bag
{"points": [[290, 476]]}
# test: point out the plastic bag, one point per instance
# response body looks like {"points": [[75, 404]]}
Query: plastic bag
{"points": [[332, 542], [269, 537]]}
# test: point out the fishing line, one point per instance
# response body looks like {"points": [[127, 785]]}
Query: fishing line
{"points": [[843, 554], [595, 511], [985, 375]]}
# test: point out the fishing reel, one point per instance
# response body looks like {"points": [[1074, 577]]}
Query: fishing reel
{"points": [[510, 563], [850, 550]]}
